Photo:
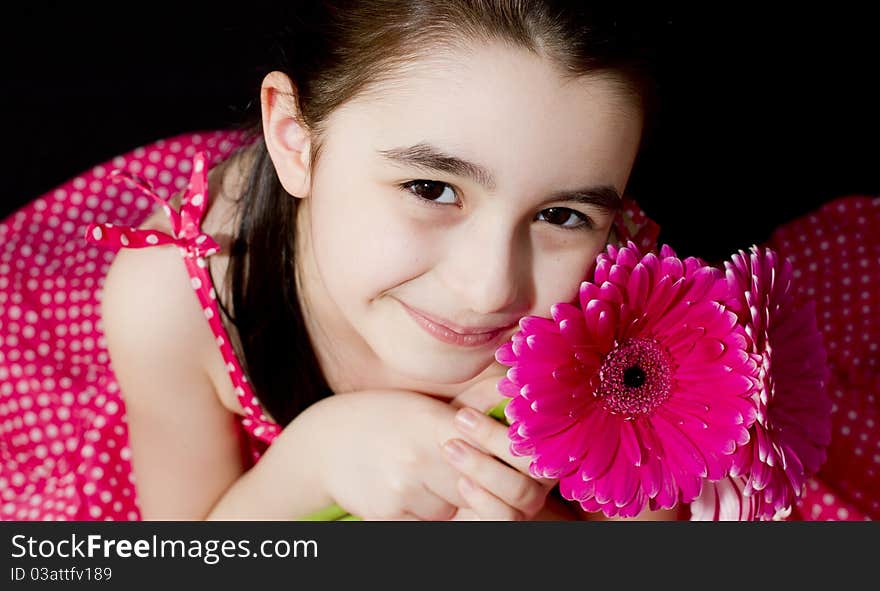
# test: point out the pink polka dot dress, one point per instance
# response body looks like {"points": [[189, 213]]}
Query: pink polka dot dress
{"points": [[63, 437], [64, 451]]}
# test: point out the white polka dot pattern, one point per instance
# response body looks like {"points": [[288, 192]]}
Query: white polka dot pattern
{"points": [[63, 435], [632, 224], [835, 252]]}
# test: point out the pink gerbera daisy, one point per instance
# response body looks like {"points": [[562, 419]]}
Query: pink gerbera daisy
{"points": [[793, 426], [636, 396]]}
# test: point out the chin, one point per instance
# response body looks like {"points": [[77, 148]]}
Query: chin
{"points": [[440, 369]]}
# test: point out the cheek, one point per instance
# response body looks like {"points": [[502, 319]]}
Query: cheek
{"points": [[558, 276], [369, 249]]}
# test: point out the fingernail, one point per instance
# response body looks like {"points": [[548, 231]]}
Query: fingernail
{"points": [[466, 418], [454, 449]]}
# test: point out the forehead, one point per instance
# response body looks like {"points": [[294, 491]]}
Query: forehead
{"points": [[499, 105]]}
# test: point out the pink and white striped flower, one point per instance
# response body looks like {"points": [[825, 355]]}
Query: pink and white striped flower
{"points": [[793, 427]]}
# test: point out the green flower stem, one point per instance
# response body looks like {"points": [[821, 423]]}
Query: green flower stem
{"points": [[331, 513], [497, 411], [349, 518], [337, 513]]}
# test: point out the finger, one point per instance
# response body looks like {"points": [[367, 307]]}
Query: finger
{"points": [[431, 507], [445, 486], [483, 395], [465, 514], [508, 484], [489, 435], [485, 505]]}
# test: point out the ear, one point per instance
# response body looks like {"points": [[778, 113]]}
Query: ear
{"points": [[286, 139]]}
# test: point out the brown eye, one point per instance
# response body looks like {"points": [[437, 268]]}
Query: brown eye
{"points": [[558, 216], [431, 191]]}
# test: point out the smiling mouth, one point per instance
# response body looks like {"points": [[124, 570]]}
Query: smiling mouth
{"points": [[441, 332]]}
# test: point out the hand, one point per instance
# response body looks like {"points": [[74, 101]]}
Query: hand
{"points": [[482, 395], [379, 456], [496, 484]]}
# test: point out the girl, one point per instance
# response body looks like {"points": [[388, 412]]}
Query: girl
{"points": [[356, 258], [376, 237]]}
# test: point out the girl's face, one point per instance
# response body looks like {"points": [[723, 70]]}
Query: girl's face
{"points": [[477, 189]]}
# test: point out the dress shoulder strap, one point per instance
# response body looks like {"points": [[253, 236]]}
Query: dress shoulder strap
{"points": [[194, 246]]}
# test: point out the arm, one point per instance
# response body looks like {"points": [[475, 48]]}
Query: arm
{"points": [[187, 452], [283, 485]]}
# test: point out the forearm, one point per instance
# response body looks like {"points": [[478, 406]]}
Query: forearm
{"points": [[284, 484]]}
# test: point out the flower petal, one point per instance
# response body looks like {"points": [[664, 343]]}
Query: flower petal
{"points": [[602, 447], [629, 444], [638, 286]]}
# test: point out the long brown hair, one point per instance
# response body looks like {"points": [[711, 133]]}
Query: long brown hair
{"points": [[335, 50]]}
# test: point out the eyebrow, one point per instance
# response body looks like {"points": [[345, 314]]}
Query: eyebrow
{"points": [[429, 158]]}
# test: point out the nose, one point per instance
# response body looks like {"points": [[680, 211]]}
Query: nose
{"points": [[486, 268]]}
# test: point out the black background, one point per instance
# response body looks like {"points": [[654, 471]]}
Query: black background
{"points": [[766, 113]]}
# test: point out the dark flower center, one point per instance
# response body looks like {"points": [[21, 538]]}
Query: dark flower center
{"points": [[635, 377]]}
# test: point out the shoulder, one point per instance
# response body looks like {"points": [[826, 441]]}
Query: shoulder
{"points": [[153, 323], [147, 301], [148, 304]]}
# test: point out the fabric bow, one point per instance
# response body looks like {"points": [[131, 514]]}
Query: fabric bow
{"points": [[186, 225]]}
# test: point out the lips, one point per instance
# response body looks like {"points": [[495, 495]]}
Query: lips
{"points": [[455, 334], [456, 328]]}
